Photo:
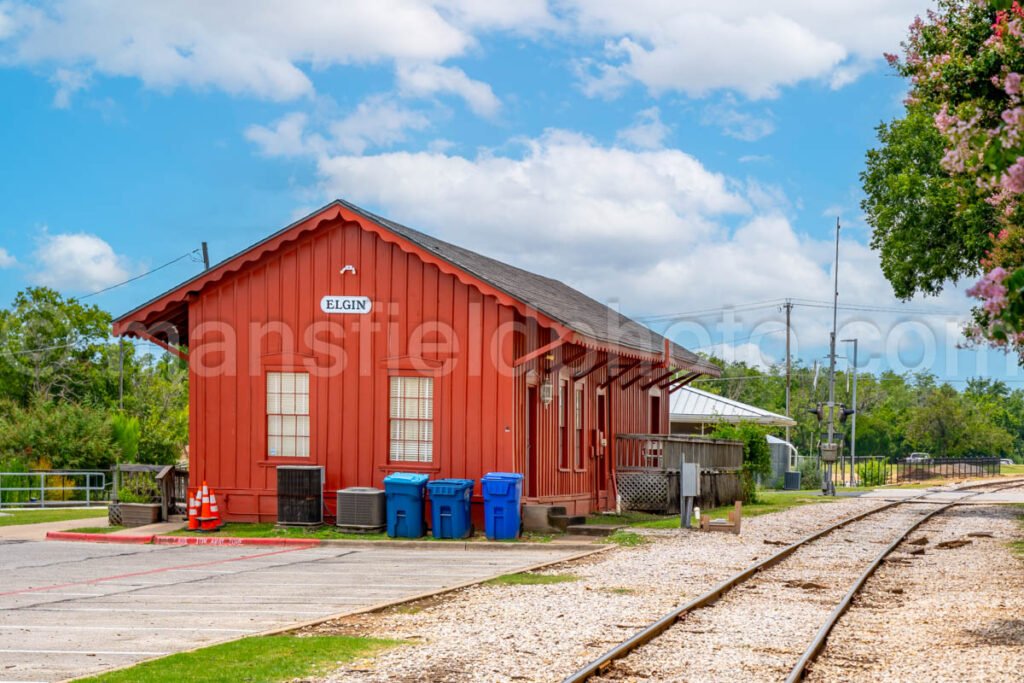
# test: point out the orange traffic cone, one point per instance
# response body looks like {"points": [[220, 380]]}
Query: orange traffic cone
{"points": [[193, 513], [207, 522], [216, 522]]}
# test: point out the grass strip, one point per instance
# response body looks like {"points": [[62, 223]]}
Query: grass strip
{"points": [[19, 517], [531, 579], [261, 659]]}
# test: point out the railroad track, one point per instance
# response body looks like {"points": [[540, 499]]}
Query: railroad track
{"points": [[898, 521]]}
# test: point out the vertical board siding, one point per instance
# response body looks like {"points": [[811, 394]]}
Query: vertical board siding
{"points": [[349, 411], [480, 420]]}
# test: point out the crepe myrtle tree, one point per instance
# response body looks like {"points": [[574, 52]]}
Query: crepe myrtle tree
{"points": [[965, 62]]}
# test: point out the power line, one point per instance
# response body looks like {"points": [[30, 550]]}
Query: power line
{"points": [[139, 277], [733, 342], [754, 305]]}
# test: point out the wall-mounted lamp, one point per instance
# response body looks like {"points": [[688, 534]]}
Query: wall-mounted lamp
{"points": [[547, 393]]}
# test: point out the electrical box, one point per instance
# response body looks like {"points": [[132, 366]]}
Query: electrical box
{"points": [[689, 480], [829, 452]]}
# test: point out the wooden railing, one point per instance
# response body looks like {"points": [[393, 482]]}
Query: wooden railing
{"points": [[664, 452]]}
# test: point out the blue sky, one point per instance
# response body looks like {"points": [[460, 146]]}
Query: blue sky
{"points": [[670, 156]]}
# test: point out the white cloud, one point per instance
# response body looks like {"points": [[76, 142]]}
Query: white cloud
{"points": [[736, 123], [269, 49], [750, 353], [755, 158], [564, 205], [68, 82], [376, 122], [284, 138], [647, 131], [522, 15], [7, 25], [77, 261], [747, 46], [6, 260], [253, 47], [424, 80]]}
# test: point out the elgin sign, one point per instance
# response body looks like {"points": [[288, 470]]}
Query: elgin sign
{"points": [[346, 304]]}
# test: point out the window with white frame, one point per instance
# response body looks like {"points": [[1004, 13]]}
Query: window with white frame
{"points": [[287, 414], [412, 419]]}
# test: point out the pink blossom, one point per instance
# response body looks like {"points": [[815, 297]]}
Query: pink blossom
{"points": [[1013, 178], [943, 120], [991, 291], [1012, 83]]}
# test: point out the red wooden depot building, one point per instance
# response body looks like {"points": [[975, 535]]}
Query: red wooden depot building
{"points": [[356, 344]]}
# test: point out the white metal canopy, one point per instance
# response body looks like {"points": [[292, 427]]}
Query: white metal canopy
{"points": [[693, 406]]}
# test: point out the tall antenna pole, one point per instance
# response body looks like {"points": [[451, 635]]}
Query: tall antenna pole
{"points": [[830, 485], [789, 364]]}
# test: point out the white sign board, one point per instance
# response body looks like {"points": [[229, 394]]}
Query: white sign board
{"points": [[359, 305]]}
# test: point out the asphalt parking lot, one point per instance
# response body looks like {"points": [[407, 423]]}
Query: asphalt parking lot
{"points": [[71, 609]]}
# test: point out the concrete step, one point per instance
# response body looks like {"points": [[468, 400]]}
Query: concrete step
{"points": [[594, 529], [538, 517], [563, 522]]}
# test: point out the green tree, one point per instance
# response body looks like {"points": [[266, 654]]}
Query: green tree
{"points": [[947, 424], [50, 347], [928, 226]]}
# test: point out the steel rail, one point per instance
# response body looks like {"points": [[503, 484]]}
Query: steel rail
{"points": [[712, 596], [820, 639]]}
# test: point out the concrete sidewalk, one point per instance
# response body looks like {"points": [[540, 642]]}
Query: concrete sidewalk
{"points": [[37, 532], [150, 529], [70, 609]]}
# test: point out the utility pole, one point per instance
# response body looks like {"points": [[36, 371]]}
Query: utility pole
{"points": [[206, 257], [830, 450], [853, 427], [120, 373], [789, 364]]}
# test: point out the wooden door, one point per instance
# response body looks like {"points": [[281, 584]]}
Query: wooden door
{"points": [[531, 442]]}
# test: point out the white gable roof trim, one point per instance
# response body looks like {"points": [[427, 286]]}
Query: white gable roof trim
{"points": [[693, 406]]}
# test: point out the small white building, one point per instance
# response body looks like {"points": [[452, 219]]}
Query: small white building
{"points": [[693, 411]]}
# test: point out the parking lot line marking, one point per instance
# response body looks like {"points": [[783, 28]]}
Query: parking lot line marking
{"points": [[41, 627], [148, 572], [189, 610], [83, 652]]}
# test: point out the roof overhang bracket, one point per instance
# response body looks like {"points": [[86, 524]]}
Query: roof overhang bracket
{"points": [[681, 382], [661, 378], [593, 368], [537, 353], [622, 371]]}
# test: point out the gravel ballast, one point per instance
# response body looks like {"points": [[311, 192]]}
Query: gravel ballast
{"points": [[952, 613], [758, 631], [545, 632]]}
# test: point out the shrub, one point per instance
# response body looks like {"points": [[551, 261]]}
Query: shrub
{"points": [[810, 474], [872, 473], [138, 488], [757, 455]]}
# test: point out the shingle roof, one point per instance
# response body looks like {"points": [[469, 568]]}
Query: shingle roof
{"points": [[553, 298], [556, 300]]}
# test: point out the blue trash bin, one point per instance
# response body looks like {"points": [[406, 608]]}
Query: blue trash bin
{"points": [[450, 501], [503, 492], [404, 493]]}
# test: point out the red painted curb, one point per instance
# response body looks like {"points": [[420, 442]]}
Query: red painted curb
{"points": [[96, 538], [232, 541]]}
